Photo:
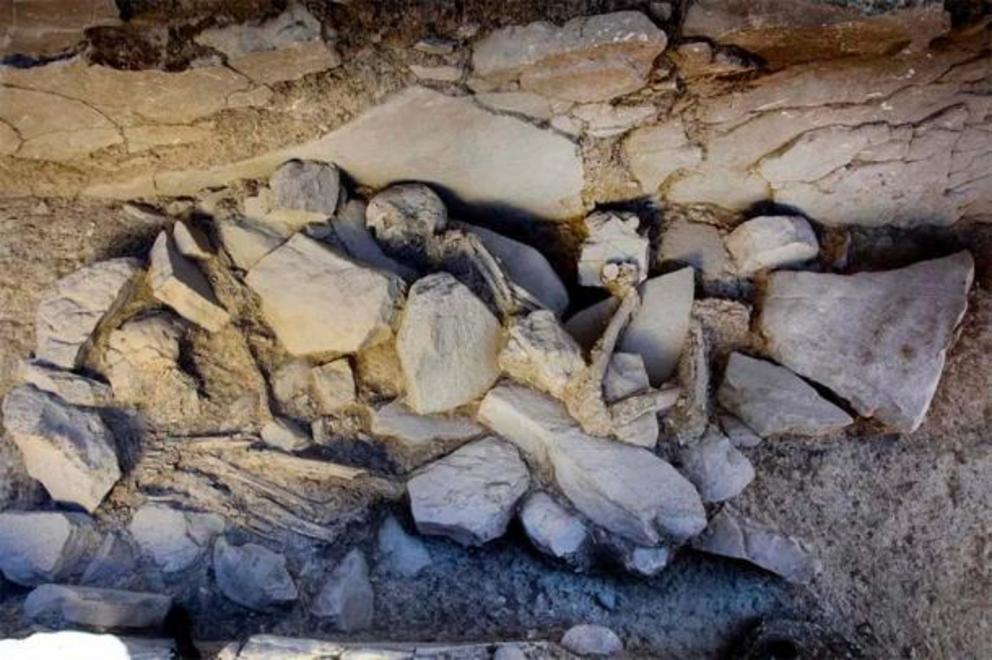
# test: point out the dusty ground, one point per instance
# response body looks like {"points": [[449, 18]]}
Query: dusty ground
{"points": [[901, 524]]}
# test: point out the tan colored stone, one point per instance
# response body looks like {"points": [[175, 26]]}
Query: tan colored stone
{"points": [[290, 63], [179, 283], [656, 152], [333, 386], [144, 138], [48, 27]]}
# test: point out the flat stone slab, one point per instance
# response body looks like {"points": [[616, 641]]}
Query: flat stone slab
{"points": [[59, 604], [179, 283], [252, 575], [73, 307], [71, 387], [627, 490], [69, 450], [448, 344], [470, 495], [732, 535], [42, 546], [175, 539], [589, 58], [772, 400], [658, 330], [320, 301], [395, 420], [878, 339]]}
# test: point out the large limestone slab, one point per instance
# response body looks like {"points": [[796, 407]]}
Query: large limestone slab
{"points": [[659, 328], [448, 344], [589, 58], [179, 283], [626, 489], [877, 339], [69, 450], [469, 495], [42, 546], [319, 301], [771, 400], [731, 535], [59, 604], [73, 307]]}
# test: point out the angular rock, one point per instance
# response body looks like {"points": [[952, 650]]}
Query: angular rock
{"points": [[39, 27], [738, 432], [470, 495], [716, 468], [528, 104], [440, 73], [246, 241], [42, 546], [654, 153], [612, 239], [142, 365], [659, 328], [291, 388], [394, 420], [626, 376], [771, 241], [587, 325], [286, 47], [60, 604], [69, 450], [698, 245], [285, 434], [305, 191], [553, 529], [73, 388], [877, 339], [346, 598], [401, 553], [525, 266], [540, 353], [333, 386], [319, 301], [72, 308], [772, 400], [252, 575], [113, 565], [603, 120], [177, 282], [350, 229], [591, 640], [448, 344], [191, 242], [732, 535], [627, 490], [590, 58], [406, 216], [647, 561], [174, 539]]}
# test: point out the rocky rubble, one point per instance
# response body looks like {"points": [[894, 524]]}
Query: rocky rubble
{"points": [[428, 354]]}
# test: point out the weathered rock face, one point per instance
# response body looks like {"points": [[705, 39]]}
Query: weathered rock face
{"points": [[658, 330], [59, 604], [590, 58], [37, 27], [552, 528], [731, 535], [72, 309], [698, 245], [346, 598], [179, 283], [318, 301], [252, 575], [402, 553], [771, 241], [470, 495], [716, 468], [627, 490], [877, 339], [448, 344], [69, 450], [540, 353], [771, 400], [592, 640], [37, 547], [174, 539], [71, 387]]}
